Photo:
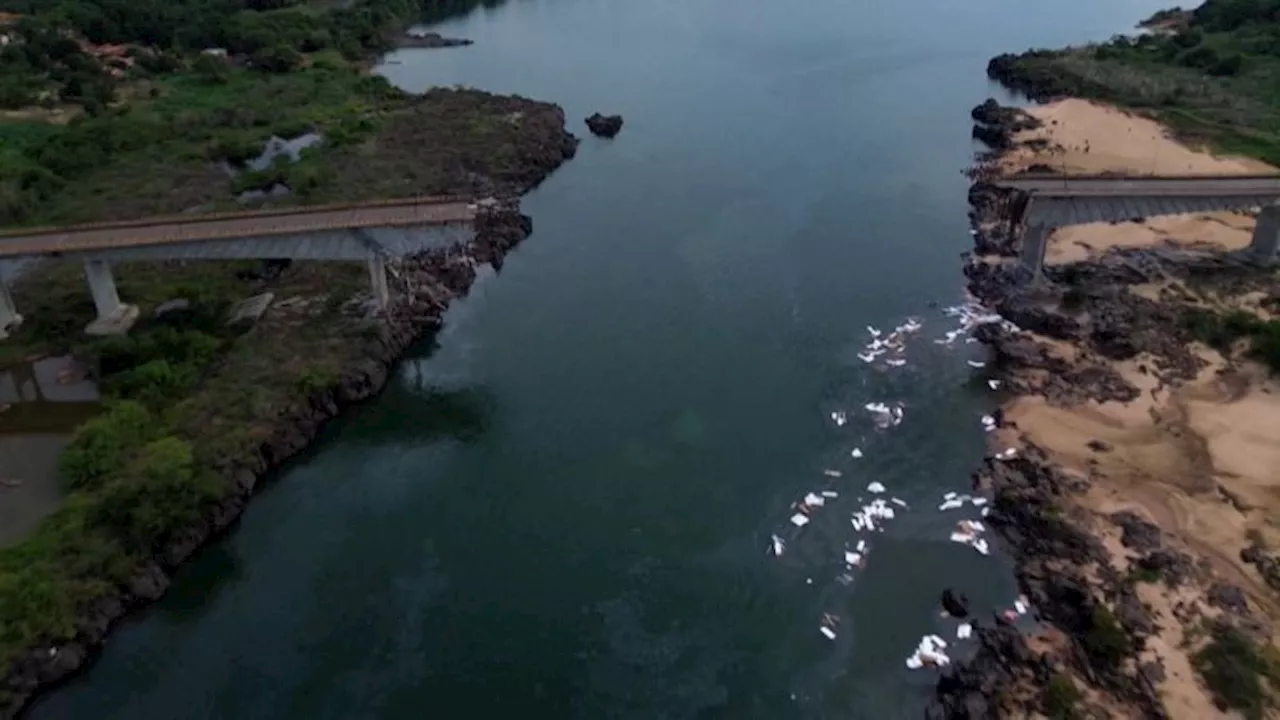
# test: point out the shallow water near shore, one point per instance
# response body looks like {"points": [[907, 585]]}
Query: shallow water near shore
{"points": [[565, 509]]}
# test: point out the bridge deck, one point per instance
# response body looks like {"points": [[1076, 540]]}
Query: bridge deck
{"points": [[426, 211], [1099, 186]]}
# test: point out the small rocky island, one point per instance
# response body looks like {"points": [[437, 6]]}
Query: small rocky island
{"points": [[605, 126]]}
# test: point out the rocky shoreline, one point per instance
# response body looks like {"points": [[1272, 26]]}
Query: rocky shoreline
{"points": [[424, 286], [1081, 597]]}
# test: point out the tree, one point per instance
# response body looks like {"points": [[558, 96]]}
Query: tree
{"points": [[278, 59], [212, 68]]}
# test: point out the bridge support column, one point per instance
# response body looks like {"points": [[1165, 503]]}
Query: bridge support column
{"points": [[1266, 236], [378, 279], [114, 317], [9, 317], [1035, 240]]}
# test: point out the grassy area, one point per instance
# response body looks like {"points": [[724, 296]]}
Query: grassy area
{"points": [[1212, 75], [1240, 674], [1225, 331]]}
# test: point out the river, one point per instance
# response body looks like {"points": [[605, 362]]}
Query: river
{"points": [[564, 510]]}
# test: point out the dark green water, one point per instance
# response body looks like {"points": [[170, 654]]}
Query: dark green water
{"points": [[564, 511]]}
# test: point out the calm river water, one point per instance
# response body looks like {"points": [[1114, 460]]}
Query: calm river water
{"points": [[564, 511]]}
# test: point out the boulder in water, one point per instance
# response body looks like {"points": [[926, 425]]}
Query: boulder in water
{"points": [[604, 125], [957, 606]]}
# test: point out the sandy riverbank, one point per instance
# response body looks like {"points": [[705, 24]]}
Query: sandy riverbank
{"points": [[1154, 460]]}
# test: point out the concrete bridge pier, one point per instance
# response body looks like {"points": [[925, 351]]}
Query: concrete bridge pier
{"points": [[378, 279], [1266, 236], [9, 317], [114, 317], [1035, 240]]}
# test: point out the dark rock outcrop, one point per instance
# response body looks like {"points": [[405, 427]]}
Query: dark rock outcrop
{"points": [[957, 606], [1136, 533], [431, 40], [605, 126]]}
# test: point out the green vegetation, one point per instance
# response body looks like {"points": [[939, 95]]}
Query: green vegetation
{"points": [[1213, 75], [1105, 640], [1238, 673], [1061, 697], [185, 396], [1223, 331]]}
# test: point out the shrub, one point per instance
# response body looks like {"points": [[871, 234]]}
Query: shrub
{"points": [[1233, 670], [1105, 640], [1061, 696], [103, 445], [159, 493]]}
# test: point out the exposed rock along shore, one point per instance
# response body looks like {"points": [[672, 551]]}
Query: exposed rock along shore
{"points": [[1061, 563], [424, 286]]}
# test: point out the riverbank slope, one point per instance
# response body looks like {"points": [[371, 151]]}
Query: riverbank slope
{"points": [[1143, 410], [199, 410]]}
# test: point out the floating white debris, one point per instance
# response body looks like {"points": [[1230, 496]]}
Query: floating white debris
{"points": [[875, 487], [985, 510], [875, 333], [852, 558], [898, 502], [856, 452], [964, 631], [867, 357], [799, 519], [830, 494], [993, 384], [979, 502], [951, 505], [929, 652], [814, 500], [981, 546], [949, 496], [895, 363], [862, 546], [778, 546], [962, 538], [839, 418], [831, 634], [988, 420], [1007, 454], [876, 407], [832, 473], [976, 364], [1019, 606]]}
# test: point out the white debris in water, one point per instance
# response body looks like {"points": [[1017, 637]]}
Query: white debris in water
{"points": [[898, 502], [929, 652], [839, 418], [831, 634], [967, 533], [875, 487], [778, 546], [799, 519], [1020, 607], [949, 496], [976, 364], [814, 500], [988, 423], [852, 558], [993, 384], [875, 333], [950, 505], [1007, 454], [830, 494], [964, 631], [856, 452], [832, 473], [862, 546]]}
